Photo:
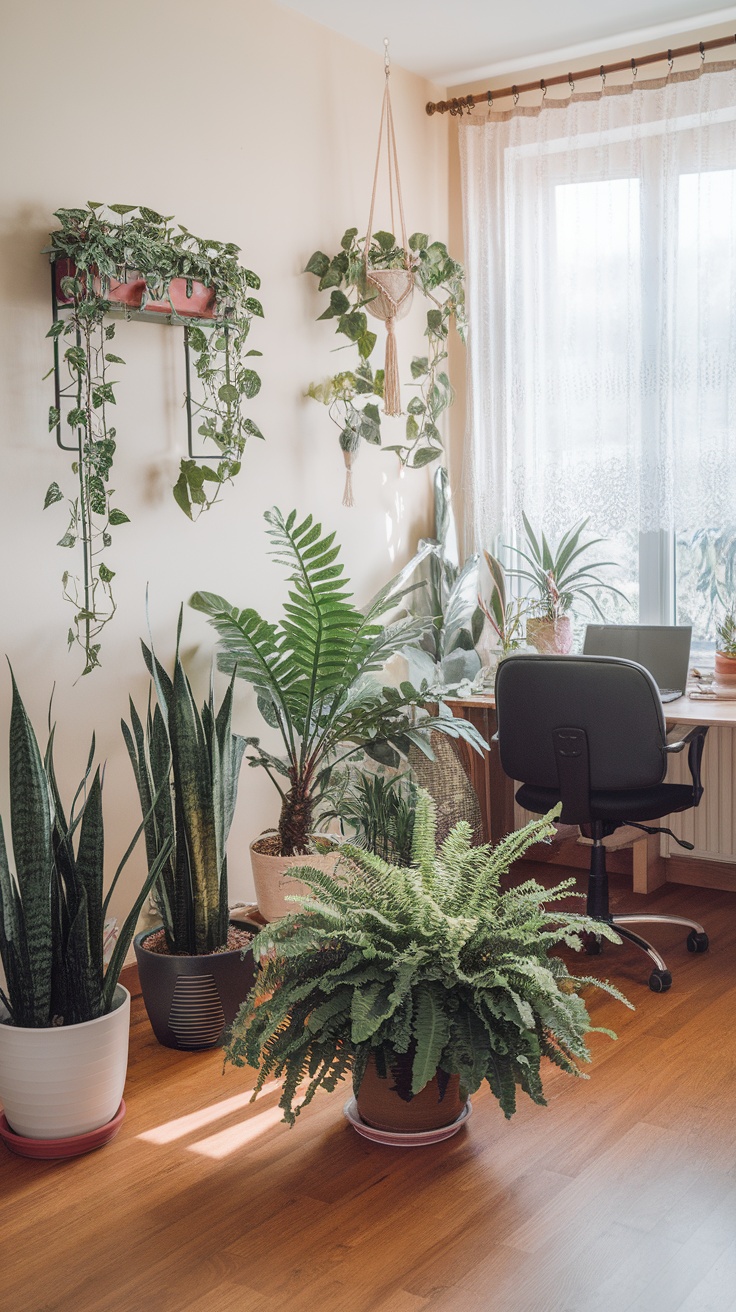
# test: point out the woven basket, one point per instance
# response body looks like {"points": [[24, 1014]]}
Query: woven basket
{"points": [[447, 783]]}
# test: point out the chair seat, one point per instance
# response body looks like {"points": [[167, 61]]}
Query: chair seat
{"points": [[620, 807]]}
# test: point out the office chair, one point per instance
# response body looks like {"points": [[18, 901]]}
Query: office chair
{"points": [[589, 731]]}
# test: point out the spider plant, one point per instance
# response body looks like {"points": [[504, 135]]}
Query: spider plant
{"points": [[505, 614], [558, 575], [316, 672], [381, 810]]}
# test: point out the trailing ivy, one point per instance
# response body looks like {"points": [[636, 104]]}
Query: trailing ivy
{"points": [[104, 247], [352, 395]]}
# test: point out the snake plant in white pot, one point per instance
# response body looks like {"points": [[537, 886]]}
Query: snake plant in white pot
{"points": [[64, 1018]]}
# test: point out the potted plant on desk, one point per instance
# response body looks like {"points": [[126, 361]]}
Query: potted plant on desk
{"points": [[64, 1019], [726, 649], [422, 982], [193, 971], [314, 674], [558, 579]]}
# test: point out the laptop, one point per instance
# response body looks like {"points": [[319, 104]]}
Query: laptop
{"points": [[663, 650]]}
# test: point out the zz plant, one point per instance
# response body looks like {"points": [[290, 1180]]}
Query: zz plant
{"points": [[431, 959], [190, 762], [52, 909], [316, 675], [352, 395], [103, 247]]}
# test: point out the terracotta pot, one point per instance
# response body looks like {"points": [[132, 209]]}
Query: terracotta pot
{"points": [[192, 1001], [551, 637], [382, 1106], [200, 305], [68, 1079], [725, 668], [273, 880]]}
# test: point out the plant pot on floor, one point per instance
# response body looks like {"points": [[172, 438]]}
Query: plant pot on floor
{"points": [[272, 878], [192, 1001], [550, 637], [725, 669], [65, 1080], [385, 1101]]}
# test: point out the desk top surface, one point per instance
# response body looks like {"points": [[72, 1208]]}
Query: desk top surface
{"points": [[683, 711]]}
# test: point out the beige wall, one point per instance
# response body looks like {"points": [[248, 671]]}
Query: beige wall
{"points": [[606, 55], [252, 124]]}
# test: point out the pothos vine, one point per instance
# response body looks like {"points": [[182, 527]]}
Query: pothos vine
{"points": [[351, 396], [105, 251]]}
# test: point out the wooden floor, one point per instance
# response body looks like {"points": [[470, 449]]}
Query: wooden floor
{"points": [[619, 1195]]}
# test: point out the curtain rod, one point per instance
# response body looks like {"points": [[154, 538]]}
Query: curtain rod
{"points": [[459, 104]]}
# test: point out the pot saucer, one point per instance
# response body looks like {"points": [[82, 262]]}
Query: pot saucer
{"points": [[53, 1149], [404, 1138]]}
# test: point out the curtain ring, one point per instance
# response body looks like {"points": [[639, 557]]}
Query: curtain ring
{"points": [[470, 103], [515, 94], [634, 69], [603, 78], [490, 99], [571, 84], [543, 88], [702, 53], [670, 62]]}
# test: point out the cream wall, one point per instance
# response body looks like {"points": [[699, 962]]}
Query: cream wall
{"points": [[606, 55], [252, 124]]}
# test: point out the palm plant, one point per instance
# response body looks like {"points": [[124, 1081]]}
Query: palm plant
{"points": [[381, 811], [314, 674], [190, 761], [557, 575], [726, 633], [52, 910], [431, 960]]}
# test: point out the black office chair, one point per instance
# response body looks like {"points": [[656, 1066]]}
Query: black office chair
{"points": [[589, 731]]}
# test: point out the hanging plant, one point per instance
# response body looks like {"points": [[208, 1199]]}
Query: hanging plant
{"points": [[352, 395], [129, 259]]}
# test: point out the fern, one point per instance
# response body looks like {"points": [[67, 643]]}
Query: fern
{"points": [[433, 958]]}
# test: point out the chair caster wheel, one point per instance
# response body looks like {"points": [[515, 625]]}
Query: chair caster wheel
{"points": [[593, 945], [697, 942], [660, 981]]}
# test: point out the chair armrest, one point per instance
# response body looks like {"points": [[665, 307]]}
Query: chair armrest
{"points": [[677, 741]]}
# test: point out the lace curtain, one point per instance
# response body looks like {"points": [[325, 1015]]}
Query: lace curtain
{"points": [[600, 240]]}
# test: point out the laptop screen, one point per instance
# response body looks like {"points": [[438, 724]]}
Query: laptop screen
{"points": [[662, 649]]}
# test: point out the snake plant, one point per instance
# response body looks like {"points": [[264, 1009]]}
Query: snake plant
{"points": [[315, 674], [190, 761], [431, 959], [52, 910]]}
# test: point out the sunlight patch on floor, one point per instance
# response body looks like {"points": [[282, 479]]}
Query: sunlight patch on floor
{"points": [[237, 1136], [170, 1131]]}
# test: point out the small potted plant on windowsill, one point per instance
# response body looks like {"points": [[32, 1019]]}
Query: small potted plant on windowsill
{"points": [[422, 982], [726, 648], [64, 1019], [314, 676], [193, 970], [559, 579]]}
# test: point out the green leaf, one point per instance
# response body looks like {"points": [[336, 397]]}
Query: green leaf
{"points": [[106, 575], [53, 495], [347, 238], [250, 384], [118, 517], [318, 263], [228, 393], [419, 366], [68, 540], [431, 1032], [426, 455], [418, 241], [181, 494], [122, 209], [114, 359], [254, 307]]}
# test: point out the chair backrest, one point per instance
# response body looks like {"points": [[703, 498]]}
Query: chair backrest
{"points": [[612, 706]]}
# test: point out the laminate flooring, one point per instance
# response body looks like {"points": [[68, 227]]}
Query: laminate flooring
{"points": [[619, 1196]]}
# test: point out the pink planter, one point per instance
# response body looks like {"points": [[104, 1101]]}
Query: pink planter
{"points": [[725, 669], [200, 305], [550, 636]]}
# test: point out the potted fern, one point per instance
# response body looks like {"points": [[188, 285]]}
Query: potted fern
{"points": [[64, 1018], [194, 969], [314, 674], [420, 982]]}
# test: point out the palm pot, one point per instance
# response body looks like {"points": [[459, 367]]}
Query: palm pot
{"points": [[386, 1101], [192, 1001], [65, 1080], [725, 668], [273, 879], [550, 637]]}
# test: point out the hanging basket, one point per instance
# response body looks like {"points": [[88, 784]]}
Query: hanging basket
{"points": [[394, 288]]}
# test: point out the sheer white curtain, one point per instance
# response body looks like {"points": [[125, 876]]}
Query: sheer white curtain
{"points": [[600, 239]]}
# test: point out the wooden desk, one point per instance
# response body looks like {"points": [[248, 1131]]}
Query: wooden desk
{"points": [[496, 794]]}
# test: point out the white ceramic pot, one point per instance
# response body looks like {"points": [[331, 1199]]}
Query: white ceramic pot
{"points": [[274, 882], [65, 1080]]}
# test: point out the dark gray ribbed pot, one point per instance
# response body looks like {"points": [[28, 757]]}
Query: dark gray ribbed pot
{"points": [[191, 1001]]}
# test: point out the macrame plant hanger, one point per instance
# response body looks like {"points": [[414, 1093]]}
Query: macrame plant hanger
{"points": [[390, 290]]}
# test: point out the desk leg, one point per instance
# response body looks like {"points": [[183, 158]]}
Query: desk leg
{"points": [[648, 865], [494, 789]]}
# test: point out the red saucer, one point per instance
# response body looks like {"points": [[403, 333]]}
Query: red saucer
{"points": [[51, 1149]]}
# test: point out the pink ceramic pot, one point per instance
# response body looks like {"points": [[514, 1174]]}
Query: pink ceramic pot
{"points": [[551, 637]]}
